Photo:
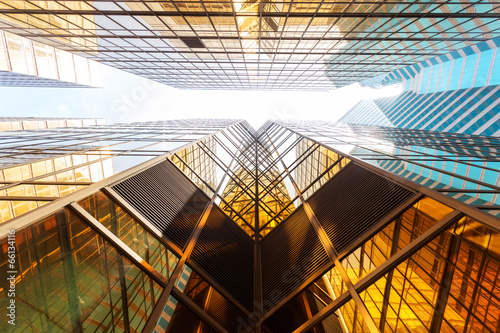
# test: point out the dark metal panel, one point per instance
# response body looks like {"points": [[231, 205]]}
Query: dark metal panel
{"points": [[167, 199], [225, 251], [299, 310], [186, 321], [289, 317], [219, 308], [353, 202], [226, 313], [291, 253]]}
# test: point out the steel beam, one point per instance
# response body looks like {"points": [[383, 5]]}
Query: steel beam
{"points": [[186, 301], [332, 38], [332, 254], [388, 265], [27, 198], [260, 14]]}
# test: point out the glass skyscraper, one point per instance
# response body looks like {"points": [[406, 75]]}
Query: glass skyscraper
{"points": [[387, 221], [244, 44], [458, 92], [54, 157], [33, 123], [27, 63], [213, 226]]}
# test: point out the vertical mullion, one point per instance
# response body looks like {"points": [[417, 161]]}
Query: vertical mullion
{"points": [[388, 283], [445, 284], [257, 250], [70, 276], [121, 270]]}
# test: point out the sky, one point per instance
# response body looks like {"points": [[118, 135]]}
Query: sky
{"points": [[126, 98]]}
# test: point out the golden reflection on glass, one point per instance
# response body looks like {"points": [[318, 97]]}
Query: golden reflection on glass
{"points": [[414, 287], [417, 220], [131, 232], [370, 255], [314, 165], [195, 163], [274, 200], [71, 279], [351, 319], [52, 186], [449, 285]]}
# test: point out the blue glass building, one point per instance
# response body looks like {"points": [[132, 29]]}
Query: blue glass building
{"points": [[458, 92]]}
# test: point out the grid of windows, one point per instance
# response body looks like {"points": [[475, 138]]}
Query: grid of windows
{"points": [[246, 45], [38, 166], [462, 166], [27, 63], [448, 286], [30, 123]]}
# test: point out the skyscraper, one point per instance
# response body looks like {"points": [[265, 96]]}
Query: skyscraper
{"points": [[27, 63], [458, 92], [294, 227], [40, 165], [251, 45], [32, 123]]}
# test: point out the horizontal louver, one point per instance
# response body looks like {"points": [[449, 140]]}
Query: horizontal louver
{"points": [[226, 252], [167, 199], [353, 202], [291, 253]]}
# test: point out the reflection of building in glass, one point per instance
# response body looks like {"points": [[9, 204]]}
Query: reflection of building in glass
{"points": [[367, 112], [458, 92], [249, 44], [296, 227], [27, 63]]}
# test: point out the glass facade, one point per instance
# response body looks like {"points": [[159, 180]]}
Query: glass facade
{"points": [[244, 45], [70, 278], [458, 92], [32, 123], [27, 63], [461, 166], [267, 208], [38, 166]]}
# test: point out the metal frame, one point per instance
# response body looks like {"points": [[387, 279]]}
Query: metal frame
{"points": [[343, 25], [263, 147], [383, 269], [332, 253]]}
